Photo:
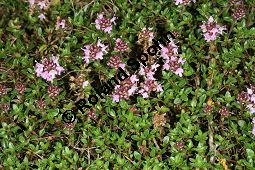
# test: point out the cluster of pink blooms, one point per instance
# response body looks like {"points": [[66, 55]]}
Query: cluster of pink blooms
{"points": [[115, 62], [211, 29], [248, 98], [129, 86], [42, 5], [48, 68], [94, 51], [147, 34], [53, 91], [60, 23], [92, 114], [120, 45], [184, 2], [103, 23], [172, 61], [125, 89], [150, 84]]}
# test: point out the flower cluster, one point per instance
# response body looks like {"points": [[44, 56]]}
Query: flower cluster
{"points": [[5, 107], [184, 2], [145, 35], [238, 12], [94, 51], [211, 29], [92, 114], [243, 97], [3, 90], [48, 68], [251, 105], [40, 104], [125, 89], [248, 98], [60, 23], [116, 62], [150, 84], [224, 112], [42, 5], [20, 87], [103, 23], [172, 61], [53, 91], [120, 45]]}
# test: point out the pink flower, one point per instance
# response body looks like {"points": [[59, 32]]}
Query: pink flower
{"points": [[159, 88], [122, 66], [103, 23], [166, 66], [132, 90], [41, 17], [92, 114], [42, 5], [94, 52], [148, 71], [53, 91], [154, 67], [133, 79], [253, 120], [146, 34], [251, 108], [249, 91], [148, 86], [179, 72], [125, 89], [120, 45], [145, 95], [48, 69], [85, 83], [182, 61], [31, 3], [170, 50], [60, 23], [253, 98], [116, 98], [116, 62], [171, 60], [184, 2], [211, 29]]}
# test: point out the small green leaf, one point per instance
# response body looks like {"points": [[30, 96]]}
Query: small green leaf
{"points": [[137, 155], [166, 140]]}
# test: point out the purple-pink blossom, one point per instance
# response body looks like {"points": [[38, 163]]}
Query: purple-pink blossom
{"points": [[103, 23], [94, 51], [42, 5], [115, 62], [60, 23], [42, 17], [147, 34], [172, 62], [120, 45], [184, 2], [125, 89], [211, 29], [48, 68]]}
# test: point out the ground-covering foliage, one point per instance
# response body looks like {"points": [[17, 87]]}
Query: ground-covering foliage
{"points": [[191, 107]]}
